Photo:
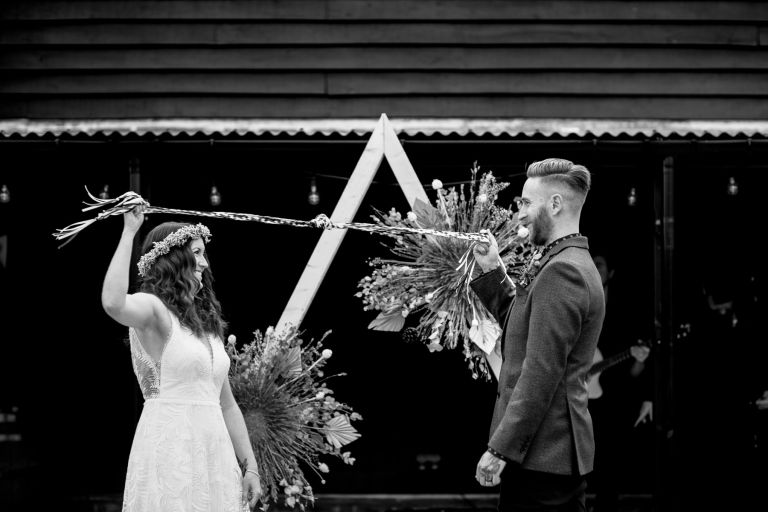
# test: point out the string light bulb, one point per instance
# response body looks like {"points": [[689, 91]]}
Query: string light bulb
{"points": [[733, 187], [314, 197], [632, 197], [5, 194], [215, 196], [104, 194]]}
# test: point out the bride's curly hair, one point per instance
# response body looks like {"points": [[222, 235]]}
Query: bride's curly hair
{"points": [[172, 279]]}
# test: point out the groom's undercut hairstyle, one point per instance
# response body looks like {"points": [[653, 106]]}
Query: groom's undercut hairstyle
{"points": [[573, 179]]}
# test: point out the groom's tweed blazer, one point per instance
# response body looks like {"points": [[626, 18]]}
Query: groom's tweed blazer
{"points": [[550, 331]]}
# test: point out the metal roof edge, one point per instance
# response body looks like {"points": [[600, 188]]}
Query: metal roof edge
{"points": [[408, 126]]}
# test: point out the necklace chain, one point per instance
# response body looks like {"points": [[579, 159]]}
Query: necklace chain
{"points": [[553, 243], [534, 264]]}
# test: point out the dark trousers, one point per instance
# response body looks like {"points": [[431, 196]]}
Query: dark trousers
{"points": [[525, 490]]}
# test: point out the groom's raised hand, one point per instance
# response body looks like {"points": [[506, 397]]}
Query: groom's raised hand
{"points": [[487, 255]]}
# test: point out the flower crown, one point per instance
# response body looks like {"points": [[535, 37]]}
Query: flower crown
{"points": [[178, 237]]}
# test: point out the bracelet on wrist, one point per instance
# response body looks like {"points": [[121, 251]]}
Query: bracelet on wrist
{"points": [[255, 472], [497, 454]]}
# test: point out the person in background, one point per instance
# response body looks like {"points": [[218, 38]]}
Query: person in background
{"points": [[615, 393]]}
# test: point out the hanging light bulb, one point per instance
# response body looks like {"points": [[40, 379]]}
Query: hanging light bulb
{"points": [[215, 196], [313, 197], [104, 194], [5, 194], [632, 197], [733, 187]]}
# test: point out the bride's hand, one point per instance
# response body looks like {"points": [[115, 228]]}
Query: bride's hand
{"points": [[134, 219], [251, 489]]}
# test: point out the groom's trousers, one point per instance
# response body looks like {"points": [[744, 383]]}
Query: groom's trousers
{"points": [[525, 490]]}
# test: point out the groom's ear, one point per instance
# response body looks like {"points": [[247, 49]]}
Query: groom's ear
{"points": [[555, 203]]}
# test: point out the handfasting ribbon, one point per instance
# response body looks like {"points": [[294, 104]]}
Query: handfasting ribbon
{"points": [[130, 200], [466, 268]]}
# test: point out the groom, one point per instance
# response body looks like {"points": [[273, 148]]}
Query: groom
{"points": [[541, 442]]}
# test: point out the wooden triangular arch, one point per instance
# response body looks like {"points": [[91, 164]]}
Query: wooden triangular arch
{"points": [[382, 144]]}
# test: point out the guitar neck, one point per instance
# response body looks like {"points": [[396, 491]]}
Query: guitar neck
{"points": [[608, 362]]}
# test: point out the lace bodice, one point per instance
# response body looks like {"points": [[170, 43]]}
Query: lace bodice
{"points": [[189, 368]]}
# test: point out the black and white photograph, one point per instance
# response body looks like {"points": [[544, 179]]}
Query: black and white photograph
{"points": [[383, 255]]}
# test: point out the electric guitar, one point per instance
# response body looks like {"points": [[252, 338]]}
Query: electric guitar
{"points": [[600, 364]]}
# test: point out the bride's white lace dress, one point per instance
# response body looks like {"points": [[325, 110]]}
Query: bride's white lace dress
{"points": [[182, 458]]}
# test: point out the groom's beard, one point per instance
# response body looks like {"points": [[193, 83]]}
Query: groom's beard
{"points": [[541, 228]]}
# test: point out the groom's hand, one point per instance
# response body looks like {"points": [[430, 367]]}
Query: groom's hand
{"points": [[486, 255], [489, 469]]}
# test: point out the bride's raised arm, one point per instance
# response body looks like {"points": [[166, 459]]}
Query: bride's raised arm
{"points": [[138, 310]]}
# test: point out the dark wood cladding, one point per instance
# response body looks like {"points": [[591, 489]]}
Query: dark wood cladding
{"points": [[460, 33], [404, 10], [523, 83], [358, 58], [376, 59], [618, 107]]}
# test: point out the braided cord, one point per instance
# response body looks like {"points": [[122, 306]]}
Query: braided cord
{"points": [[130, 200]]}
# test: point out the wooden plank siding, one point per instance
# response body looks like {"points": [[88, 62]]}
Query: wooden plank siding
{"points": [[358, 58], [450, 10]]}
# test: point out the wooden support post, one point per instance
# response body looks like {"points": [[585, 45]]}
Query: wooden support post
{"points": [[665, 319], [134, 184]]}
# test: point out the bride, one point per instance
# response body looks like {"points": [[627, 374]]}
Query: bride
{"points": [[191, 434]]}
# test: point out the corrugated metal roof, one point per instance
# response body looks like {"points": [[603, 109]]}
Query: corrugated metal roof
{"points": [[407, 126]]}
